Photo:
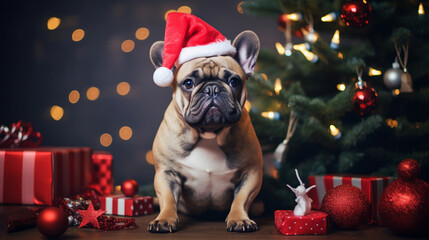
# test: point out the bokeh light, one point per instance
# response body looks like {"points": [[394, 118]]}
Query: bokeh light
{"points": [[57, 112], [106, 139], [74, 96], [123, 88], [169, 11], [92, 93], [264, 76], [239, 8], [53, 23], [78, 35], [142, 33], [127, 46], [184, 9], [125, 133], [341, 87]]}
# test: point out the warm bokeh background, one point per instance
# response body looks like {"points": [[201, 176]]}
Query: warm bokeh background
{"points": [[41, 68]]}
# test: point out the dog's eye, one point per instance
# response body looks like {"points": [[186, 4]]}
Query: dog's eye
{"points": [[188, 84], [234, 82]]}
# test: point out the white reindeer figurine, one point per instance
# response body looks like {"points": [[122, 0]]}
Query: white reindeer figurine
{"points": [[303, 206]]}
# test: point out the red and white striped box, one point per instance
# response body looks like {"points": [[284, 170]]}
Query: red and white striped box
{"points": [[102, 177], [39, 175], [371, 186], [127, 206]]}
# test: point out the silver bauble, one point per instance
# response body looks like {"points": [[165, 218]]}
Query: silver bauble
{"points": [[392, 77]]}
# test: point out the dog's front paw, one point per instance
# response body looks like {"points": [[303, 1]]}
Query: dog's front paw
{"points": [[163, 225], [241, 225]]}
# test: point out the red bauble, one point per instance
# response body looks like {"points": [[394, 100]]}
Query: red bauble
{"points": [[364, 100], [347, 207], [356, 13], [408, 169], [52, 222], [282, 22], [404, 204], [129, 187]]}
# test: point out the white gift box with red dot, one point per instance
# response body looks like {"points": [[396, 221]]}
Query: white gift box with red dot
{"points": [[127, 206], [288, 224]]}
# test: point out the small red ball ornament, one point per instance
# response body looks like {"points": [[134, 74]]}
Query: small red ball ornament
{"points": [[347, 207], [364, 99], [129, 187], [356, 13], [404, 204], [282, 22], [52, 222]]}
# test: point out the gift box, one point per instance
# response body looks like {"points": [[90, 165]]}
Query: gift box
{"points": [[287, 223], [39, 175], [127, 206], [102, 178], [371, 186]]}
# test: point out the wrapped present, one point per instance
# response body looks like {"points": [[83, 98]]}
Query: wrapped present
{"points": [[370, 185], [287, 223], [102, 178], [127, 206], [39, 175]]}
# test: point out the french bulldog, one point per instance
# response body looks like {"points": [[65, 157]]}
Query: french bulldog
{"points": [[206, 154]]}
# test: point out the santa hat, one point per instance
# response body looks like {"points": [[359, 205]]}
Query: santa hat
{"points": [[188, 37]]}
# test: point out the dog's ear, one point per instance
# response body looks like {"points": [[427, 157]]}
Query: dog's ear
{"points": [[156, 52], [247, 45]]}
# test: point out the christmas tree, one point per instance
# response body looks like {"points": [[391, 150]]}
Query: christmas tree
{"points": [[327, 98]]}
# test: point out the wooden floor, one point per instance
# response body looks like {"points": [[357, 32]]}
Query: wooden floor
{"points": [[196, 229]]}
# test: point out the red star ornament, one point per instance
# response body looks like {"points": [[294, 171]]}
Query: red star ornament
{"points": [[90, 216]]}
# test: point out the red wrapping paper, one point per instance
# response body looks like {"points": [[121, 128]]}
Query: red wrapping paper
{"points": [[371, 186], [287, 223], [39, 175], [102, 178], [127, 206]]}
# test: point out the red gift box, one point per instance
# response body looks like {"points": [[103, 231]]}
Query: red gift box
{"points": [[371, 186], [102, 178], [287, 223], [127, 206], [39, 175]]}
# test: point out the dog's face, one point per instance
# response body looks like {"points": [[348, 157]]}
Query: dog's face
{"points": [[210, 92]]}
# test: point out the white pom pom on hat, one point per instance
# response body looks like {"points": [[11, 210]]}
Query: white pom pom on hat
{"points": [[188, 37], [163, 77]]}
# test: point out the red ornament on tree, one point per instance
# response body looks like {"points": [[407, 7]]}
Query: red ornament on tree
{"points": [[364, 99], [282, 22], [129, 187], [356, 13], [347, 207], [52, 222], [404, 204]]}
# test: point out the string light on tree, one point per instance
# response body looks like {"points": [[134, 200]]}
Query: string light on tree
{"points": [[330, 17], [374, 72], [307, 54], [278, 86], [280, 49], [341, 87], [271, 115], [335, 42], [335, 132], [421, 10], [294, 16], [310, 35]]}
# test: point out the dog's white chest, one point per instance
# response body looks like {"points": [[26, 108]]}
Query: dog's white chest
{"points": [[206, 171]]}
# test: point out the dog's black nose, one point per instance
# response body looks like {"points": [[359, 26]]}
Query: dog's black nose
{"points": [[212, 90]]}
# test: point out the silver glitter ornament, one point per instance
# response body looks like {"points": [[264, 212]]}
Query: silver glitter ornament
{"points": [[392, 77]]}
